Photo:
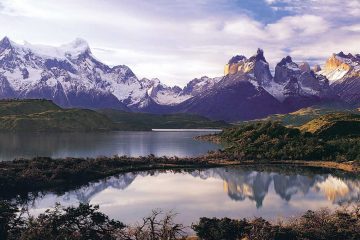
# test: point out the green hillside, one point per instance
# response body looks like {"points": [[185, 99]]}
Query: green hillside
{"points": [[334, 125], [42, 115], [37, 115], [146, 121], [23, 107], [305, 115]]}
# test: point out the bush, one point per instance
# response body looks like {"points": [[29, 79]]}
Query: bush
{"points": [[342, 224]]}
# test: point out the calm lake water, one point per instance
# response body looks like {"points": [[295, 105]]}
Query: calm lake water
{"points": [[59, 145], [233, 192]]}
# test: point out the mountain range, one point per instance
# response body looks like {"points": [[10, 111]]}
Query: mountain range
{"points": [[71, 76]]}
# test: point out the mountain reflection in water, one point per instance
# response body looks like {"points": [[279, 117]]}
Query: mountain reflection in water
{"points": [[200, 193]]}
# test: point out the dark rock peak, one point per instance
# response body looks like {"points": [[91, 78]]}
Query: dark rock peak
{"points": [[236, 59], [5, 43], [285, 61], [260, 52], [176, 89], [343, 55], [259, 56]]}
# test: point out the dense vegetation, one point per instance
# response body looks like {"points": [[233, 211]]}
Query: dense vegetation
{"points": [[146, 121], [273, 141], [43, 115], [87, 222]]}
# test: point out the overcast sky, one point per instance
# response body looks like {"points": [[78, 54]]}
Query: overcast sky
{"points": [[178, 40]]}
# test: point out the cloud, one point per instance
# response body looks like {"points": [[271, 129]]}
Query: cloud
{"points": [[179, 40], [335, 9]]}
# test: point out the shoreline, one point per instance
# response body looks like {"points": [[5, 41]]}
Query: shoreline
{"points": [[19, 177]]}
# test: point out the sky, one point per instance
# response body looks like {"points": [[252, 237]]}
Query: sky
{"points": [[179, 40]]}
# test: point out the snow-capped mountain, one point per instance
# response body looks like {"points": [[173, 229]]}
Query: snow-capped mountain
{"points": [[199, 85], [162, 94], [72, 77], [239, 95], [249, 91], [343, 71]]}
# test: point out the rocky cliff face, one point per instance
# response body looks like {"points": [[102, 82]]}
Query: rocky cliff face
{"points": [[298, 86], [257, 66]]}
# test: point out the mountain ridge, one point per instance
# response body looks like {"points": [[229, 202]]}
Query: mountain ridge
{"points": [[71, 76]]}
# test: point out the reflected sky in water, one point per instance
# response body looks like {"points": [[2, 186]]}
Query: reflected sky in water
{"points": [[221, 192], [59, 145]]}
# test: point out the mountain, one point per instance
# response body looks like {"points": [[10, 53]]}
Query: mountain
{"points": [[45, 116], [343, 71], [248, 90], [72, 77], [239, 94], [199, 85]]}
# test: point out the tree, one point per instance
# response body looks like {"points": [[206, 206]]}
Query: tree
{"points": [[72, 223]]}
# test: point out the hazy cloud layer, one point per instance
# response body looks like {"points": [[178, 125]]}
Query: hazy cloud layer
{"points": [[179, 40]]}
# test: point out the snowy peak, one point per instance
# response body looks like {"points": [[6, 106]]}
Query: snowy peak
{"points": [[65, 51], [163, 94], [343, 71], [199, 86], [299, 80], [340, 65]]}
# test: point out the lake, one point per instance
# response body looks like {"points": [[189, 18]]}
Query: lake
{"points": [[234, 192], [60, 145]]}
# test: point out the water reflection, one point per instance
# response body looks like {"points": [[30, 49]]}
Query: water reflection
{"points": [[231, 192], [60, 145]]}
